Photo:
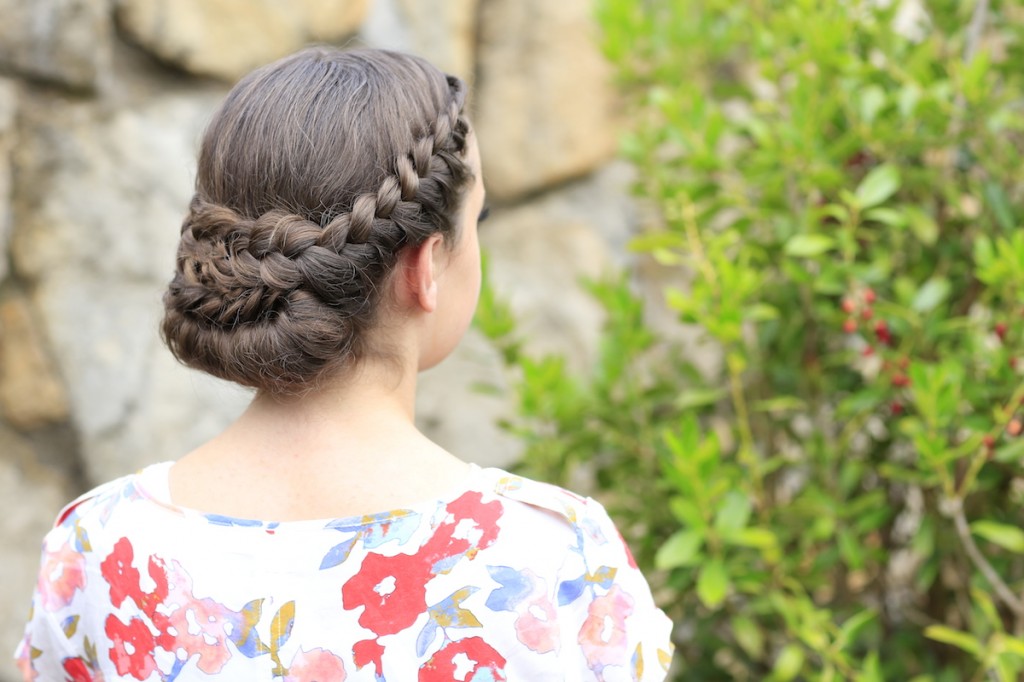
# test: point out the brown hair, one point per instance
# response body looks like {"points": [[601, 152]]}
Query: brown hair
{"points": [[314, 173]]}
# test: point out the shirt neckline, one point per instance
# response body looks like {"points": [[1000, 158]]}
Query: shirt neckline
{"points": [[152, 485]]}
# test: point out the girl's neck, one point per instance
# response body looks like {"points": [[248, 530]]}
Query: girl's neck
{"points": [[348, 448]]}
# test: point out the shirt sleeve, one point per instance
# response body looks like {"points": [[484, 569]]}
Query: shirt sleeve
{"points": [[43, 648], [51, 647], [606, 608]]}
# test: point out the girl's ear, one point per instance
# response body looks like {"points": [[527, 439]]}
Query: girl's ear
{"points": [[420, 268]]}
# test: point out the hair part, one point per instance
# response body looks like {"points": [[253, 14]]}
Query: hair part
{"points": [[316, 171]]}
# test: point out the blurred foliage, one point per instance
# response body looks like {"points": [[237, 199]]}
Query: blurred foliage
{"points": [[839, 188]]}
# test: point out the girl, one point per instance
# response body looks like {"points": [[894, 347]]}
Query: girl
{"points": [[329, 254]]}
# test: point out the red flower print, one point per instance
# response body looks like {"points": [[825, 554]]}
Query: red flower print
{"points": [[471, 525], [366, 652], [138, 662], [392, 590], [80, 671], [462, 660], [315, 665], [148, 601], [119, 573]]}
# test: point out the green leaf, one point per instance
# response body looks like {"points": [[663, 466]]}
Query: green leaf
{"points": [[699, 398], [984, 252], [852, 627], [877, 186], [872, 99], [809, 245], [961, 640], [758, 538], [789, 663], [760, 312], [733, 513], [748, 635], [887, 216], [996, 199], [682, 549], [713, 584], [1006, 536], [922, 225], [1014, 645], [929, 296]]}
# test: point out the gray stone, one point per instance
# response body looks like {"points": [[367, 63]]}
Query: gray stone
{"points": [[385, 27], [8, 106], [544, 104], [228, 38], [31, 394], [539, 253], [110, 195], [33, 494], [443, 31], [65, 41]]}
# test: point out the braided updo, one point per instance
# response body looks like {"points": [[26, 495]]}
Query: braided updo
{"points": [[313, 175]]}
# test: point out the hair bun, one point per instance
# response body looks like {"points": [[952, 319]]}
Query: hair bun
{"points": [[299, 216]]}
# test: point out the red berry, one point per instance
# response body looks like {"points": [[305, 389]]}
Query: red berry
{"points": [[897, 409], [882, 332], [850, 326], [867, 313], [868, 351], [848, 305], [1014, 427], [900, 380], [1000, 330], [869, 296], [1013, 363], [988, 441]]}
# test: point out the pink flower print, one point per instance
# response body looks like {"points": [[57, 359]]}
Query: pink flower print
{"points": [[199, 624], [315, 665], [537, 626], [603, 635], [469, 659], [132, 647], [24, 657], [62, 574], [525, 593]]}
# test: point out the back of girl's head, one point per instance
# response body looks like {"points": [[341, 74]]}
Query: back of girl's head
{"points": [[315, 172]]}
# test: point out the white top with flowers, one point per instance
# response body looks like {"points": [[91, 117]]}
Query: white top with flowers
{"points": [[506, 579]]}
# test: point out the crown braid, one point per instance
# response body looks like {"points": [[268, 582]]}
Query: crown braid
{"points": [[277, 300]]}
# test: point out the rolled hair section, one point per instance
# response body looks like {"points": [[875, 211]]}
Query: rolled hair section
{"points": [[314, 174]]}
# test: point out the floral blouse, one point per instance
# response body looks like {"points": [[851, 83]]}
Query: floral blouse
{"points": [[506, 579]]}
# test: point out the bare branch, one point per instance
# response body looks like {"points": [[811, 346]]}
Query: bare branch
{"points": [[982, 564]]}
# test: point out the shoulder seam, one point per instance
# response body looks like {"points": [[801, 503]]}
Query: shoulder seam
{"points": [[70, 507], [543, 495]]}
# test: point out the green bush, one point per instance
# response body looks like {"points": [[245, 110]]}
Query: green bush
{"points": [[841, 498]]}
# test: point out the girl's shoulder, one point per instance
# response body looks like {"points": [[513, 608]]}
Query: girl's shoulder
{"points": [[579, 523]]}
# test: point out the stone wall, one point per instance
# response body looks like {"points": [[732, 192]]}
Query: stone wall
{"points": [[101, 105]]}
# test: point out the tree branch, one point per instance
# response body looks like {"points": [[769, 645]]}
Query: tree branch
{"points": [[982, 564]]}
